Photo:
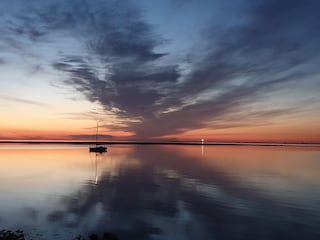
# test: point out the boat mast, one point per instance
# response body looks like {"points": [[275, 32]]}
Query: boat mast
{"points": [[97, 132]]}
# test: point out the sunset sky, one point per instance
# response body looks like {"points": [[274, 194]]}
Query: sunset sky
{"points": [[171, 69]]}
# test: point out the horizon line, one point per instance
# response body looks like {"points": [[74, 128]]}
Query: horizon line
{"points": [[170, 142]]}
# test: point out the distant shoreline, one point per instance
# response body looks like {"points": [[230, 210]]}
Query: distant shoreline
{"points": [[161, 143]]}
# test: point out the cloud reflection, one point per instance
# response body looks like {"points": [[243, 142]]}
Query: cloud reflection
{"points": [[170, 195]]}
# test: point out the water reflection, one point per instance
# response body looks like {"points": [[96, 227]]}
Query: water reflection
{"points": [[168, 192]]}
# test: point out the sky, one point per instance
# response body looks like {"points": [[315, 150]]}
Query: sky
{"points": [[171, 70]]}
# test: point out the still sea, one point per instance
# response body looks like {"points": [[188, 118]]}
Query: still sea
{"points": [[161, 191]]}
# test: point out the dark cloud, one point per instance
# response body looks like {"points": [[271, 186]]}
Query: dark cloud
{"points": [[268, 51], [275, 44]]}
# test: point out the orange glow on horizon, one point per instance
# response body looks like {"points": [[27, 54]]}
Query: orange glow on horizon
{"points": [[231, 135], [295, 131], [280, 134]]}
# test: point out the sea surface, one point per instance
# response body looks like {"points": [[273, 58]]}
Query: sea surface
{"points": [[161, 191]]}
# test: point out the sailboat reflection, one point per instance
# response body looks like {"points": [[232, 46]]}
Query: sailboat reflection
{"points": [[97, 156], [96, 175]]}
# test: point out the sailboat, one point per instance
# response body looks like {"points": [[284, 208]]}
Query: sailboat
{"points": [[98, 148]]}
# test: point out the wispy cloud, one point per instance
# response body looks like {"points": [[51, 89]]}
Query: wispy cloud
{"points": [[23, 101], [89, 136]]}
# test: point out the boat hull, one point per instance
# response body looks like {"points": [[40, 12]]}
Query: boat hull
{"points": [[99, 149]]}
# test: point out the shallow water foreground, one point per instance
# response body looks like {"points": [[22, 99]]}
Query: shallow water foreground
{"points": [[161, 192]]}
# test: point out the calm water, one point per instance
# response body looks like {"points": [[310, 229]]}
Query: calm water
{"points": [[161, 192]]}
